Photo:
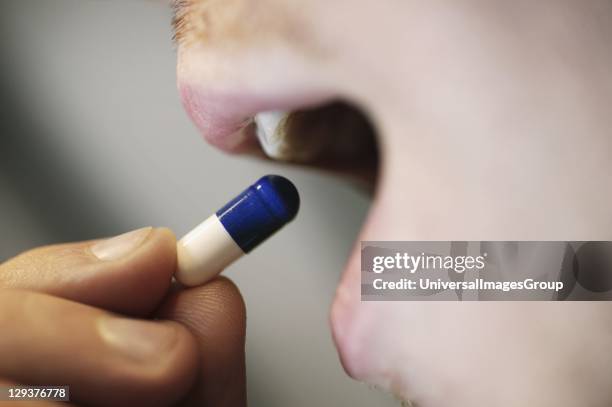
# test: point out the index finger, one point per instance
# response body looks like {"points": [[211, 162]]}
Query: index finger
{"points": [[129, 274]]}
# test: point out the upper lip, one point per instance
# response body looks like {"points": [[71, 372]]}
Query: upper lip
{"points": [[225, 119]]}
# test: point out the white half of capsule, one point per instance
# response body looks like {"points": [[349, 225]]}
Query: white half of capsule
{"points": [[270, 133], [205, 252]]}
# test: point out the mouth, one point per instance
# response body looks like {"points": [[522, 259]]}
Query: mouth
{"points": [[277, 114], [226, 120], [334, 135]]}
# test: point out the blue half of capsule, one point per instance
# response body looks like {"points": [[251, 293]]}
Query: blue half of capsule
{"points": [[259, 211]]}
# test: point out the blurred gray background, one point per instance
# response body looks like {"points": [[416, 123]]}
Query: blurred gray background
{"points": [[94, 142]]}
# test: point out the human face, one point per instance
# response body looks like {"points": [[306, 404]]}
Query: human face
{"points": [[492, 121]]}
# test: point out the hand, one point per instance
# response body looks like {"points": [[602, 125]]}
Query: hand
{"points": [[102, 317]]}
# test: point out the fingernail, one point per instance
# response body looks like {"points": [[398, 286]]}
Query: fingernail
{"points": [[139, 340], [119, 246]]}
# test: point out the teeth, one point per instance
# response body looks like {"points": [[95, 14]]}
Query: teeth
{"points": [[270, 132]]}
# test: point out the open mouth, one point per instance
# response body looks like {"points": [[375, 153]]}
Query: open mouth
{"points": [[334, 136], [289, 112]]}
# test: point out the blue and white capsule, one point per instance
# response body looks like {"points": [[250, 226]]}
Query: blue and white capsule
{"points": [[235, 229]]}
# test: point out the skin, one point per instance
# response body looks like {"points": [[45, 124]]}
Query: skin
{"points": [[57, 303], [493, 124]]}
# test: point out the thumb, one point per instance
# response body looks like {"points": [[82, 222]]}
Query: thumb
{"points": [[129, 274], [216, 316]]}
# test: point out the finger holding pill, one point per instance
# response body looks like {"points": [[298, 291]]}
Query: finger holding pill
{"points": [[235, 229]]}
